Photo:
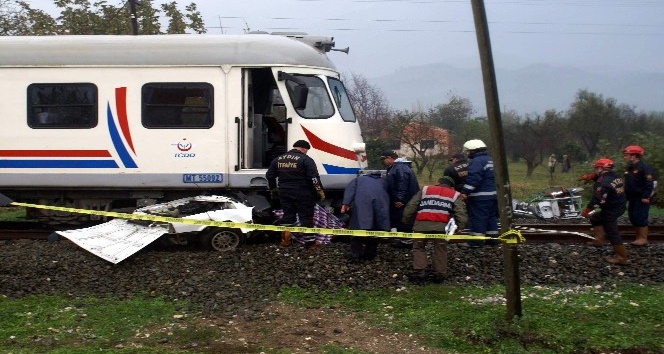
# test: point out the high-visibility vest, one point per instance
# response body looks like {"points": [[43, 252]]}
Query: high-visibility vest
{"points": [[437, 204]]}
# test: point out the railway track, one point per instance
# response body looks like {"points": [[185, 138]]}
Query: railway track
{"points": [[533, 233], [15, 230], [579, 233]]}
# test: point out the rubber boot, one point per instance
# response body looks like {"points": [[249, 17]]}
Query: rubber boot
{"points": [[641, 237], [620, 255], [285, 239], [600, 237]]}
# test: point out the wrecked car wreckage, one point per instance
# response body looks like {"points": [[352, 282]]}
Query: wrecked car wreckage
{"points": [[551, 203]]}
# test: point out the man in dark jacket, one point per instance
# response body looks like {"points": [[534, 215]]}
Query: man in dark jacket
{"points": [[367, 201], [401, 185], [458, 170], [480, 193], [298, 184], [640, 185], [606, 206]]}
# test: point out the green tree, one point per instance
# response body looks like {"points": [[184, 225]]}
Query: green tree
{"points": [[18, 19], [511, 121], [374, 149], [82, 17], [196, 22], [535, 138], [476, 128], [452, 114], [176, 22], [79, 17], [593, 118]]}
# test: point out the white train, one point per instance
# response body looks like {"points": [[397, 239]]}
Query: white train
{"points": [[115, 122]]}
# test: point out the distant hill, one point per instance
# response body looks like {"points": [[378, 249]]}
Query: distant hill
{"points": [[531, 89]]}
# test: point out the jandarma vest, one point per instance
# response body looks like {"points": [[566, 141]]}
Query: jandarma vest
{"points": [[437, 204]]}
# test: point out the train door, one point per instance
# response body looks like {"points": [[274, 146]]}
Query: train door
{"points": [[264, 127]]}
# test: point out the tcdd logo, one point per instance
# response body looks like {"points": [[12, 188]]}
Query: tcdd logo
{"points": [[184, 145], [182, 154]]}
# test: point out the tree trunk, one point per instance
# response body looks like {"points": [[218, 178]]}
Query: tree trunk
{"points": [[530, 169]]}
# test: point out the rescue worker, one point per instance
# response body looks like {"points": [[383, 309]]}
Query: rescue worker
{"points": [[598, 230], [458, 170], [367, 200], [401, 186], [640, 185], [298, 183], [606, 205], [432, 208], [480, 193]]}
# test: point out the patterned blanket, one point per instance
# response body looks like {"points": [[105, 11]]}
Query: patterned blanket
{"points": [[322, 218]]}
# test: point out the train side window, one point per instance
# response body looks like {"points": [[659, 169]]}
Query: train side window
{"points": [[177, 105], [341, 99], [68, 105]]}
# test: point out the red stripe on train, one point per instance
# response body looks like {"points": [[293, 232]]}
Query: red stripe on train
{"points": [[320, 144], [55, 153]]}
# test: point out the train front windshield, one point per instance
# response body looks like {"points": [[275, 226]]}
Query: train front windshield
{"points": [[319, 105]]}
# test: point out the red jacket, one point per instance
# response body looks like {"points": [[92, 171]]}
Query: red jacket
{"points": [[437, 204]]}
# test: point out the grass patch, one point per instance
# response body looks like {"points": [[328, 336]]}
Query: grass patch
{"points": [[52, 324], [582, 319], [12, 213], [335, 349]]}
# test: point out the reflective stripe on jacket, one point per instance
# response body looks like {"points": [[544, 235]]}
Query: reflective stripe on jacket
{"points": [[437, 204]]}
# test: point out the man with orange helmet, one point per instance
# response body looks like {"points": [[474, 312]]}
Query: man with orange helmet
{"points": [[640, 184], [606, 206]]}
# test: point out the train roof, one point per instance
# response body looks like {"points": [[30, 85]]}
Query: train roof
{"points": [[186, 49]]}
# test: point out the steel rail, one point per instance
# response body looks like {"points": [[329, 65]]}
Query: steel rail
{"points": [[533, 233]]}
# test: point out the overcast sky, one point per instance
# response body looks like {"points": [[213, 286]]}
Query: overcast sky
{"points": [[385, 35]]}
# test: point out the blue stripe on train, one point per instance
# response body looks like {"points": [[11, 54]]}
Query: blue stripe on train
{"points": [[336, 170], [117, 141]]}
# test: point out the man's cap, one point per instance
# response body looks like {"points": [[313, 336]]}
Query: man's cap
{"points": [[447, 180], [302, 144], [457, 155], [388, 153]]}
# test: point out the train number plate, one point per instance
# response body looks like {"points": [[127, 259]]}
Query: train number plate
{"points": [[203, 178]]}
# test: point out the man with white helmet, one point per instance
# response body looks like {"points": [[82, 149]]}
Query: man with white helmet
{"points": [[480, 192]]}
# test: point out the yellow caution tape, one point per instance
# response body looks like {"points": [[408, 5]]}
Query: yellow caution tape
{"points": [[512, 237], [252, 226]]}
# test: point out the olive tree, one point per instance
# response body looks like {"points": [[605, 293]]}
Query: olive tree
{"points": [[83, 17]]}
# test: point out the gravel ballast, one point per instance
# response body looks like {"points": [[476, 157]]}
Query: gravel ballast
{"points": [[243, 281]]}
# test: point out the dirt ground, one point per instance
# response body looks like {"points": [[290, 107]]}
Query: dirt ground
{"points": [[285, 329]]}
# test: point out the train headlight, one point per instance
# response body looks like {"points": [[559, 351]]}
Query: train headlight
{"points": [[359, 147]]}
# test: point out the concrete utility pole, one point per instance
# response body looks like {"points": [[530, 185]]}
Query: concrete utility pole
{"points": [[510, 255], [134, 22]]}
